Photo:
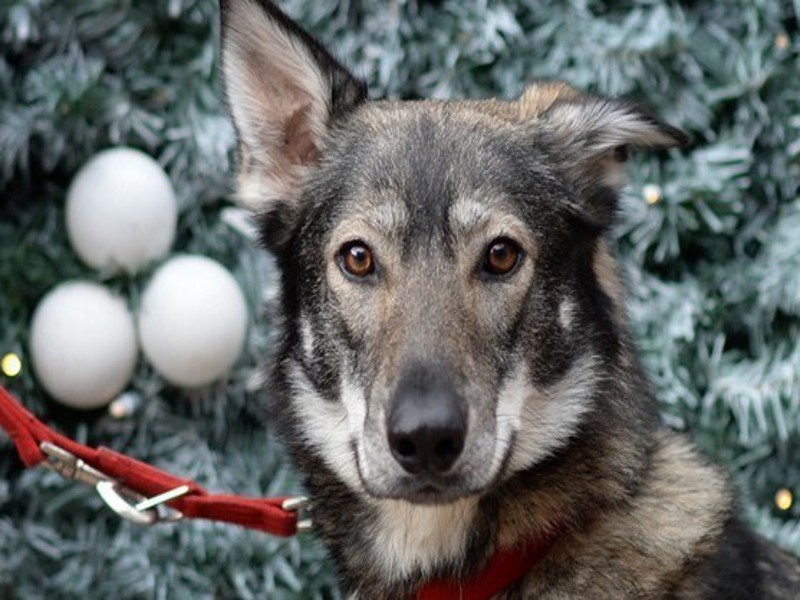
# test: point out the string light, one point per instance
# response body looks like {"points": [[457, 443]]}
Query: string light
{"points": [[652, 193], [11, 365], [125, 405], [784, 499]]}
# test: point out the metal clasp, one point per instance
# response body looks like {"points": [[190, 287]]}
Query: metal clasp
{"points": [[126, 503], [70, 466], [146, 511], [298, 504]]}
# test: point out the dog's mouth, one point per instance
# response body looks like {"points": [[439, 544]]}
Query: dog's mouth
{"points": [[427, 488], [430, 495], [424, 491], [435, 490]]}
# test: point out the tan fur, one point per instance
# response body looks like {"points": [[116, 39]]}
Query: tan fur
{"points": [[409, 537], [538, 98], [642, 546], [605, 269]]}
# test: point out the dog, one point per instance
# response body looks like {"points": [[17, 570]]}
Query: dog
{"points": [[455, 377]]}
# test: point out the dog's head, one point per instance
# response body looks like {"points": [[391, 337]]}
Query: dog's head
{"points": [[451, 308]]}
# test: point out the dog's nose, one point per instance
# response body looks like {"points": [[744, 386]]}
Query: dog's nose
{"points": [[427, 422]]}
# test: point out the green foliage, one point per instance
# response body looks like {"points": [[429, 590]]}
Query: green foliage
{"points": [[713, 266]]}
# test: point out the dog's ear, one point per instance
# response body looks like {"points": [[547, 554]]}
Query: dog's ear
{"points": [[590, 138], [284, 91]]}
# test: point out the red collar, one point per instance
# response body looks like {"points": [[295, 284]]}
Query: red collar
{"points": [[504, 569]]}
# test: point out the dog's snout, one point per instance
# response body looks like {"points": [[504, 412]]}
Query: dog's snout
{"points": [[427, 422]]}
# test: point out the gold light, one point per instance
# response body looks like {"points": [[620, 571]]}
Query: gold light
{"points": [[652, 193], [11, 365], [784, 499]]}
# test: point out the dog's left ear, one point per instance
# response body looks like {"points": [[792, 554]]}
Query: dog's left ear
{"points": [[284, 91], [590, 138]]}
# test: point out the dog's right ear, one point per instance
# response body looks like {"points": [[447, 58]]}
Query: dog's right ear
{"points": [[284, 91]]}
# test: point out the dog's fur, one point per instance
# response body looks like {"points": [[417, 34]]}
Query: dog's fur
{"points": [[561, 428]]}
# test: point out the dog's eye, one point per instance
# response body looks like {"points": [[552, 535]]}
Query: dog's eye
{"points": [[356, 259], [502, 256]]}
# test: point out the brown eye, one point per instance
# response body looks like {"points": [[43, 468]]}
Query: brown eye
{"points": [[502, 256], [356, 259]]}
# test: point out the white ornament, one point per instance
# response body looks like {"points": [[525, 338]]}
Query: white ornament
{"points": [[83, 344], [192, 321], [121, 211]]}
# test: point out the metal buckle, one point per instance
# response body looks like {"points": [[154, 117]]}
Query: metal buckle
{"points": [[297, 504], [145, 511]]}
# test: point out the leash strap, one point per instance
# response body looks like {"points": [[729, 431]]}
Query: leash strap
{"points": [[135, 490]]}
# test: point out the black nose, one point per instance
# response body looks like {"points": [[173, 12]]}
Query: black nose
{"points": [[427, 422]]}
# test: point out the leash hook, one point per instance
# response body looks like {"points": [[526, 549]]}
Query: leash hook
{"points": [[128, 504], [297, 504]]}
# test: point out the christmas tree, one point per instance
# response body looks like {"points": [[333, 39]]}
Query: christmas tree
{"points": [[708, 238]]}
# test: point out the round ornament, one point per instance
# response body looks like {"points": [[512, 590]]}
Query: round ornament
{"points": [[121, 211], [83, 344], [192, 321]]}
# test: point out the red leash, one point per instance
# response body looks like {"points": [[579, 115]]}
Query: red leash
{"points": [[135, 490]]}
